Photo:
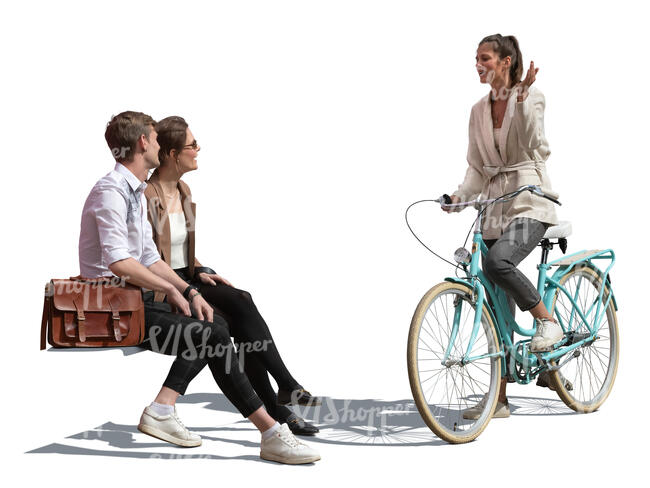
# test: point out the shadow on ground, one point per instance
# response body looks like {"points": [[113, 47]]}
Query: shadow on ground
{"points": [[341, 421]]}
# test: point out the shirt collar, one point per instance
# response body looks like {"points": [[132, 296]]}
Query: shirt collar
{"points": [[133, 181]]}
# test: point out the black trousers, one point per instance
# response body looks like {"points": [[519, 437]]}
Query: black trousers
{"points": [[196, 343], [255, 346]]}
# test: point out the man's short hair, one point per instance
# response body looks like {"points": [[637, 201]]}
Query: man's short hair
{"points": [[124, 130]]}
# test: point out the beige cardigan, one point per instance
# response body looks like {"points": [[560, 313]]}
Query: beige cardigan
{"points": [[520, 160], [159, 220]]}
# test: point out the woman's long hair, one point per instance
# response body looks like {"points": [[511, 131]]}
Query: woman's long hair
{"points": [[507, 46]]}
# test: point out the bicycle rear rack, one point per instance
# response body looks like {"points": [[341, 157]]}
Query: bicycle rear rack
{"points": [[579, 256]]}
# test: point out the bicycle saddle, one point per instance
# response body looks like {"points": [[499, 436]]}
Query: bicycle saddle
{"points": [[561, 229]]}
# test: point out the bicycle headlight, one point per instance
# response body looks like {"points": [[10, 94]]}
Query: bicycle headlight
{"points": [[462, 256]]}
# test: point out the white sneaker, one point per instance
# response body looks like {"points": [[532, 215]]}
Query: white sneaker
{"points": [[283, 447], [548, 333], [167, 428], [501, 411]]}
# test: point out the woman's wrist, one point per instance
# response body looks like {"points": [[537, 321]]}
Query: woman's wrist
{"points": [[522, 94]]}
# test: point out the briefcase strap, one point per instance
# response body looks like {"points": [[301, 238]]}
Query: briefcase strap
{"points": [[115, 310], [81, 317], [46, 313]]}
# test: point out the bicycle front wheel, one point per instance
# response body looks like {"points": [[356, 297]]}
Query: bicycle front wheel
{"points": [[589, 375], [445, 394]]}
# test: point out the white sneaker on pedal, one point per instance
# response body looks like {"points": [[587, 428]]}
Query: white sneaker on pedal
{"points": [[167, 428], [501, 411], [548, 333], [283, 447]]}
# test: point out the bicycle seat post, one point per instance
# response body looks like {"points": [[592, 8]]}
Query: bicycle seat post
{"points": [[546, 247]]}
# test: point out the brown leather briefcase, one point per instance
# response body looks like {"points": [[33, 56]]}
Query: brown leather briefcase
{"points": [[100, 312]]}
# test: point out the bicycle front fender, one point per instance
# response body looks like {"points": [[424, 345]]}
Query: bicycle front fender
{"points": [[488, 308]]}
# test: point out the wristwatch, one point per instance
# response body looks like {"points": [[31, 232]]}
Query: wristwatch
{"points": [[186, 293]]}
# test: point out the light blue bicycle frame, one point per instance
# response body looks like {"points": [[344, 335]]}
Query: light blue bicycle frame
{"points": [[547, 287]]}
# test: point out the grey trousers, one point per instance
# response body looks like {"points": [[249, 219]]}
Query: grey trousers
{"points": [[504, 255]]}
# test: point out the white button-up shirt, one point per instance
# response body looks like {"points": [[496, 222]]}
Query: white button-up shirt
{"points": [[114, 224]]}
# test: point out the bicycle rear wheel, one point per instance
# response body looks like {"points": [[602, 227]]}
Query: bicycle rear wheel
{"points": [[442, 393], [592, 372]]}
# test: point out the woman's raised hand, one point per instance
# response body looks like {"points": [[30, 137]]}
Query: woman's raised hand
{"points": [[524, 84], [211, 279]]}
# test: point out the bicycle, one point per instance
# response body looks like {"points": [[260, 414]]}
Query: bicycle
{"points": [[459, 337]]}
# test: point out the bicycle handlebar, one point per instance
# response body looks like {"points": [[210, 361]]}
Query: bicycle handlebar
{"points": [[445, 200]]}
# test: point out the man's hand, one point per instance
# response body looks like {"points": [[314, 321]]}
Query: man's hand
{"points": [[177, 300], [201, 308], [211, 279], [454, 199]]}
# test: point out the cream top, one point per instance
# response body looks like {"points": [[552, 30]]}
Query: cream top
{"points": [[179, 240], [497, 134]]}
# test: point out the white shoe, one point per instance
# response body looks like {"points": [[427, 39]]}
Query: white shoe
{"points": [[167, 428], [283, 447], [501, 411], [548, 333]]}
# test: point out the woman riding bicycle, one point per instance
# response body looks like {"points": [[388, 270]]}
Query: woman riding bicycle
{"points": [[508, 149]]}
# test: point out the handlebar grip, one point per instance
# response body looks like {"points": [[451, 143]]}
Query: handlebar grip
{"points": [[550, 193], [545, 193], [552, 199]]}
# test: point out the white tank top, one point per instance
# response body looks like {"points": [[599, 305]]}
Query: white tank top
{"points": [[179, 240]]}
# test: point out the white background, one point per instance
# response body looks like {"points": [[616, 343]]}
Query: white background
{"points": [[319, 123]]}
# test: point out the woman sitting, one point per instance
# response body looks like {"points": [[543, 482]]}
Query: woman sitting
{"points": [[172, 214]]}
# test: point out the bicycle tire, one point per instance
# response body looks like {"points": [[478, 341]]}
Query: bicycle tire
{"points": [[440, 421], [581, 369]]}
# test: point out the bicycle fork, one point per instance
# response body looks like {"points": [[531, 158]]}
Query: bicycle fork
{"points": [[479, 292]]}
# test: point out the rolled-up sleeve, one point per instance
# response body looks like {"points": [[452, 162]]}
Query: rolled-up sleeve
{"points": [[110, 211], [529, 119], [151, 254]]}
